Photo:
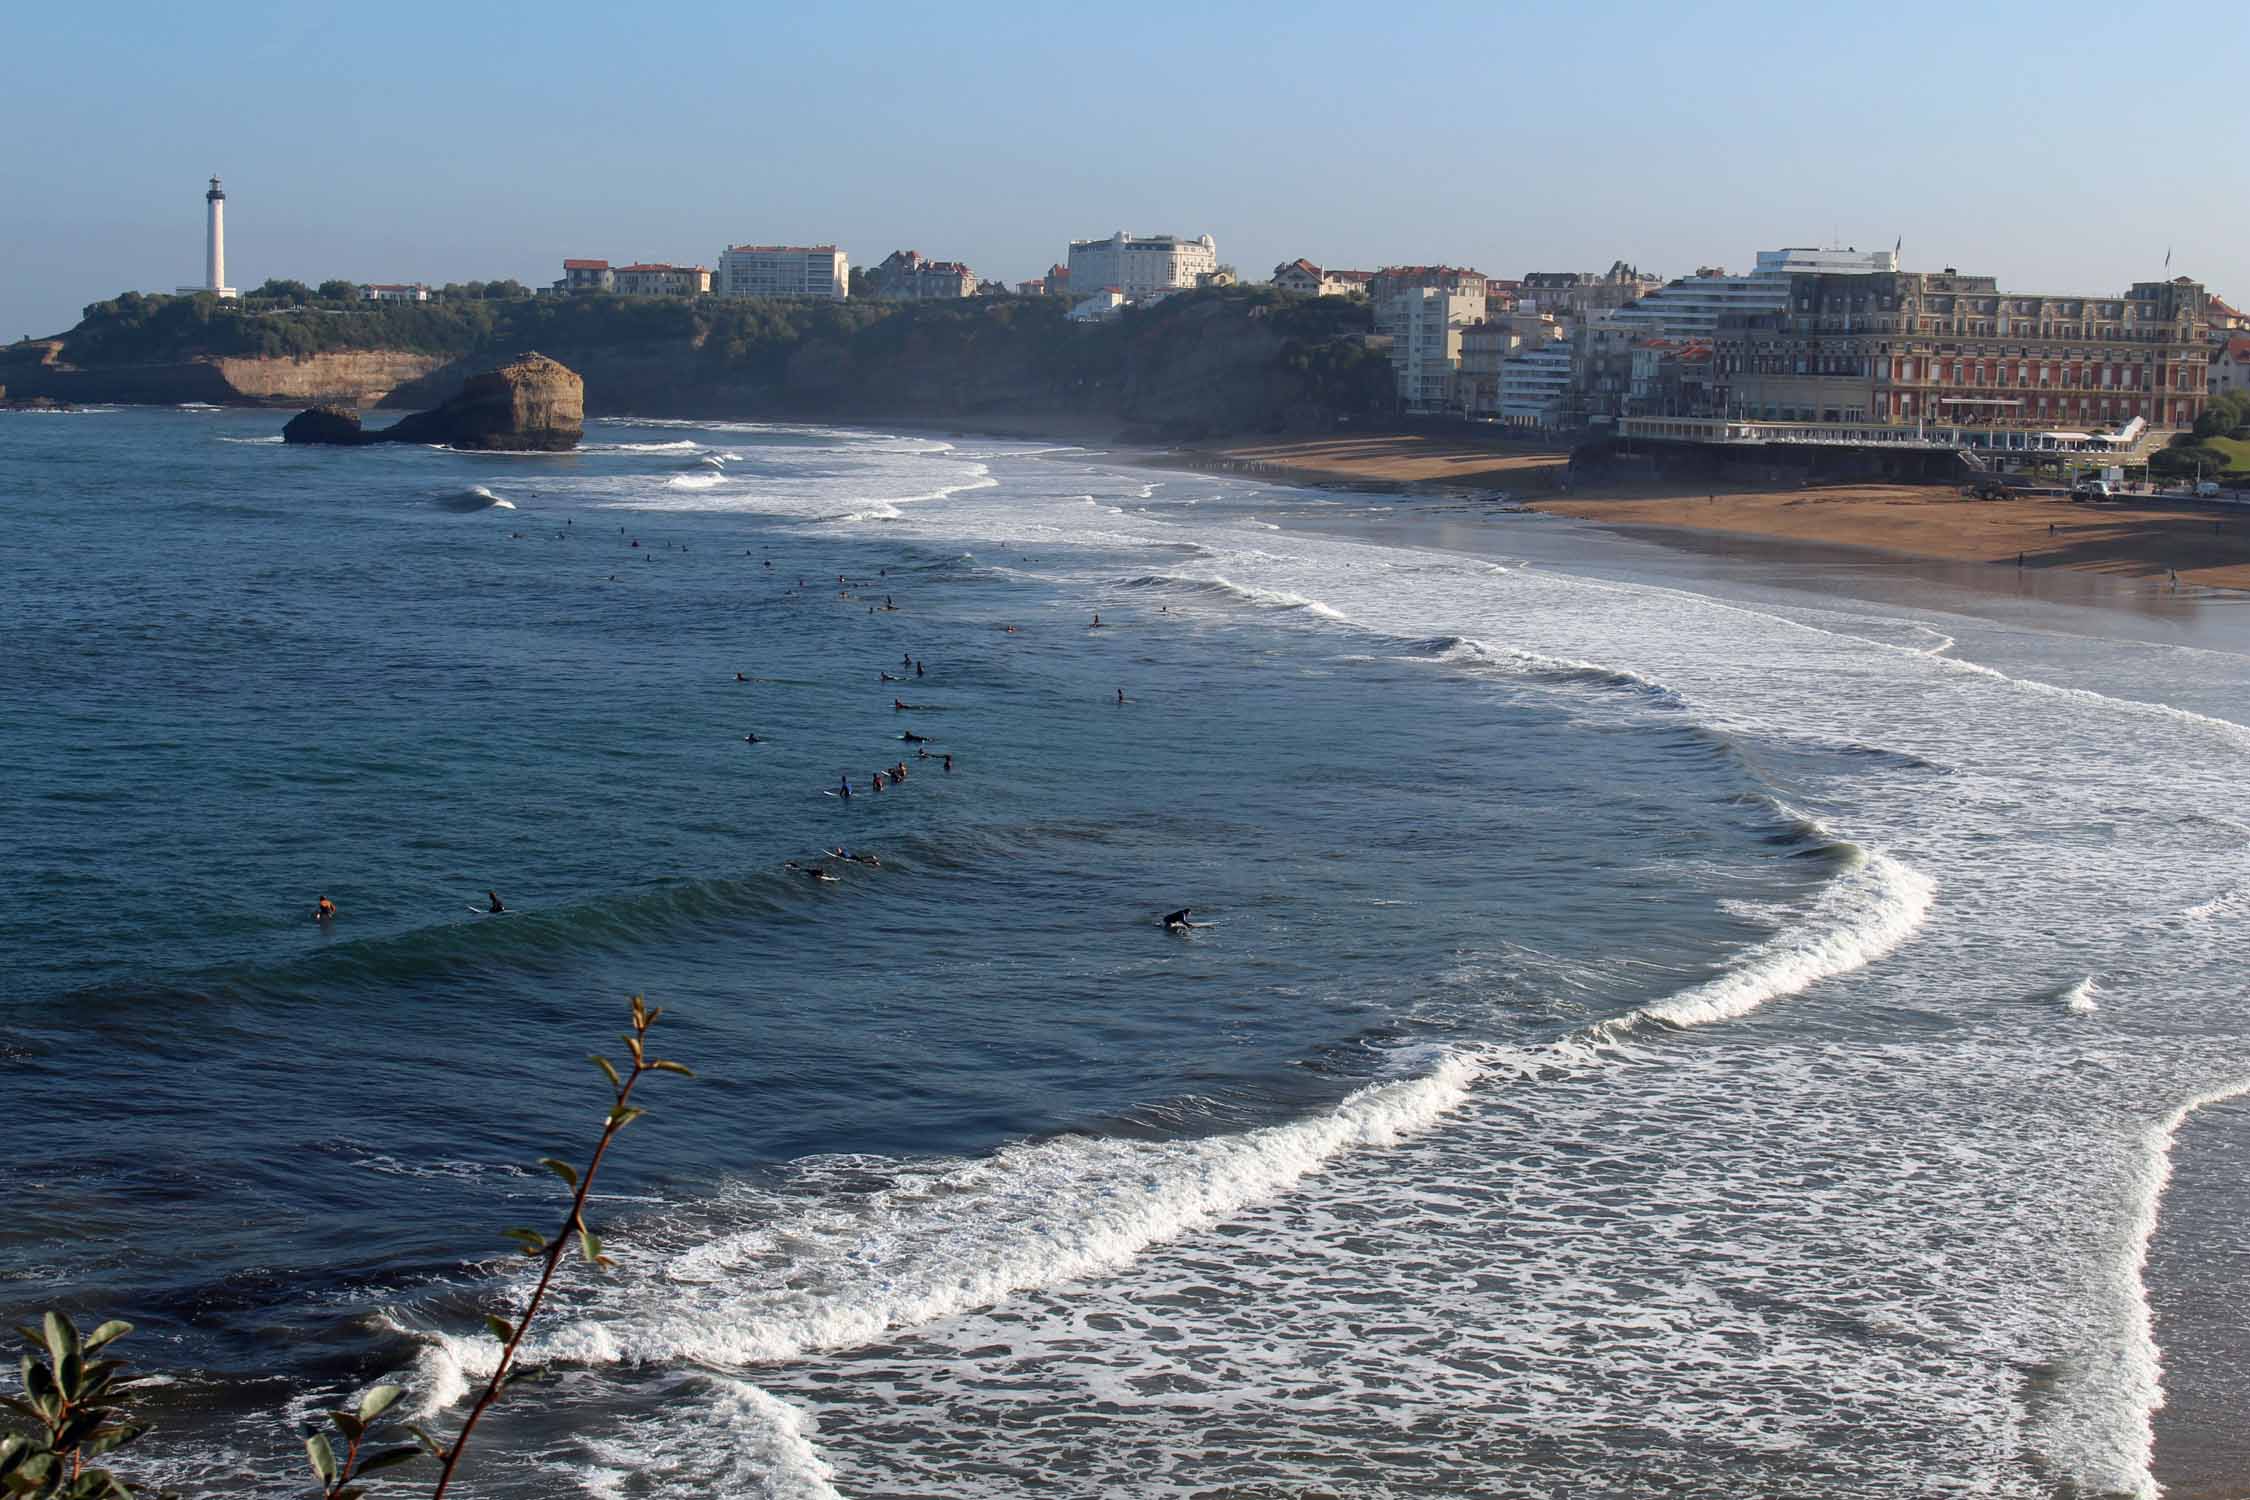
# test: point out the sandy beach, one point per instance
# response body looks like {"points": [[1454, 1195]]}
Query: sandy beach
{"points": [[2207, 546]]}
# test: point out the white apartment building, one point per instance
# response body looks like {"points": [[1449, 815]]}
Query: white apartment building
{"points": [[1142, 266], [1690, 308], [1425, 324], [587, 276], [394, 291], [784, 271], [1099, 308], [1533, 384]]}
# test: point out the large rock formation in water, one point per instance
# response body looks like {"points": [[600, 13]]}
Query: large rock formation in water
{"points": [[531, 404]]}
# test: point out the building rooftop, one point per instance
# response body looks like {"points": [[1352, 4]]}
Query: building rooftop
{"points": [[654, 267], [785, 249], [585, 265]]}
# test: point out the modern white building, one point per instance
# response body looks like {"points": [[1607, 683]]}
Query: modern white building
{"points": [[394, 291], [214, 246], [1533, 385], [1425, 324], [784, 271], [1142, 266], [1690, 308]]}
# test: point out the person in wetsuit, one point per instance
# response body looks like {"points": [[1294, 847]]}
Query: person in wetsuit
{"points": [[494, 897]]}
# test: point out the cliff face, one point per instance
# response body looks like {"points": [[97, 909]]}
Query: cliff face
{"points": [[529, 404], [346, 379], [358, 378]]}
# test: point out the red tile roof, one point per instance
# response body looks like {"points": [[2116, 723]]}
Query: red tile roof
{"points": [[2238, 348], [585, 265]]}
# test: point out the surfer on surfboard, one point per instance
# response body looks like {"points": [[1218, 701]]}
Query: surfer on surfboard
{"points": [[1177, 921], [495, 908]]}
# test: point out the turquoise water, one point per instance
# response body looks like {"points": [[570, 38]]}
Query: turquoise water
{"points": [[1657, 1022]]}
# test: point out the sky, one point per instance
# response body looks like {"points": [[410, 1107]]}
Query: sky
{"points": [[2062, 147]]}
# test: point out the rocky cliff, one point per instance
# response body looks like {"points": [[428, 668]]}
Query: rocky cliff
{"points": [[350, 378], [530, 404]]}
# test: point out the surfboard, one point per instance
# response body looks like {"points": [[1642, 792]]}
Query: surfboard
{"points": [[486, 911]]}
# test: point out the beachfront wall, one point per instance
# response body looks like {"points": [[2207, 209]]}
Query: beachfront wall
{"points": [[1917, 350]]}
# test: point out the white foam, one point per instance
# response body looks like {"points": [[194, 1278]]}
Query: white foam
{"points": [[1861, 916], [955, 1237], [2104, 1423], [2079, 998], [741, 1442]]}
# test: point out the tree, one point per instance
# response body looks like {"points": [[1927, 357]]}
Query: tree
{"points": [[339, 291], [505, 291], [295, 293]]}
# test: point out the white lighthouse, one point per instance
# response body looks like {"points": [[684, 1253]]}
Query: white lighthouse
{"points": [[214, 245]]}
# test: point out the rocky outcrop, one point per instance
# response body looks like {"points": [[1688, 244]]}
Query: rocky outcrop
{"points": [[324, 424], [531, 404]]}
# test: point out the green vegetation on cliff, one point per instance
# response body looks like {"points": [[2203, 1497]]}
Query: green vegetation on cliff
{"points": [[1229, 359]]}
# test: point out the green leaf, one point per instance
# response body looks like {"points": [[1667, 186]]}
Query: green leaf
{"points": [[501, 1328], [590, 1243], [62, 1339], [323, 1457], [378, 1401], [562, 1169], [609, 1069], [624, 1115], [668, 1066], [31, 1336], [350, 1426], [389, 1458], [429, 1444], [115, 1328]]}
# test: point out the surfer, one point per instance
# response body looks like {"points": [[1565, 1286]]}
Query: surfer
{"points": [[843, 786], [738, 677], [1177, 921], [915, 739], [1120, 695], [495, 908], [949, 765], [887, 677], [917, 669], [751, 739], [899, 705], [324, 910], [810, 872], [906, 661], [878, 781], [898, 772]]}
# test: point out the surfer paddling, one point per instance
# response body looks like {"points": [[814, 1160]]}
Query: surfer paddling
{"points": [[1177, 921]]}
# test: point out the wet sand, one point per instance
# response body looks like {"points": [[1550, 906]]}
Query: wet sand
{"points": [[2144, 539]]}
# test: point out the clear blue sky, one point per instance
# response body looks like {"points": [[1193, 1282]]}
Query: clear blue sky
{"points": [[2061, 147]]}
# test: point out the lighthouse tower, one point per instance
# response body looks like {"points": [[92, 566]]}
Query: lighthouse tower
{"points": [[214, 245]]}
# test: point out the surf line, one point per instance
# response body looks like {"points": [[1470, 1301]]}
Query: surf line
{"points": [[2143, 1361]]}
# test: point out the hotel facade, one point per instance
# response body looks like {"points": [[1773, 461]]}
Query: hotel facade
{"points": [[1141, 266], [1921, 349]]}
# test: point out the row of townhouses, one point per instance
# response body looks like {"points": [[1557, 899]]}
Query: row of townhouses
{"points": [[1815, 345]]}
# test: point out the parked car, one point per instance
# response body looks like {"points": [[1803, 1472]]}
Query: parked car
{"points": [[2207, 489], [2093, 489]]}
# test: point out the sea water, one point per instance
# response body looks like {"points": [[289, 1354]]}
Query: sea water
{"points": [[1668, 1024]]}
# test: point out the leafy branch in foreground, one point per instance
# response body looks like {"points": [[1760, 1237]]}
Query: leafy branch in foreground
{"points": [[68, 1398], [622, 1113]]}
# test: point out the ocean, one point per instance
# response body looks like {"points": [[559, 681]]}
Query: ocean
{"points": [[1671, 1021]]}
